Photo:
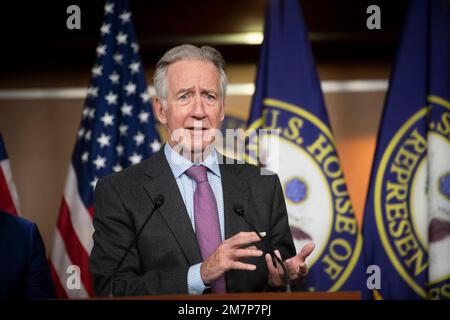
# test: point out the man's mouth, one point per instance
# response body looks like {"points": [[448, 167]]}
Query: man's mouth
{"points": [[196, 129]]}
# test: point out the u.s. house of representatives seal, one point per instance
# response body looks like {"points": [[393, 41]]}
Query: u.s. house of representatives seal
{"points": [[412, 200], [299, 147]]}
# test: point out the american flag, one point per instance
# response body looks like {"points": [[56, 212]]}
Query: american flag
{"points": [[9, 201], [117, 130]]}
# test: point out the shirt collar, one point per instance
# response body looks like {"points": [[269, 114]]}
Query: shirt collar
{"points": [[180, 164]]}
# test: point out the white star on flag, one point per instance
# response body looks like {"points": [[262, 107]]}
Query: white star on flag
{"points": [[139, 138], [101, 50], [135, 158], [155, 145], [118, 58], [119, 149], [143, 116], [87, 136], [125, 17], [109, 7], [85, 157], [97, 71], [121, 38], [114, 77], [123, 129], [92, 92], [105, 29], [111, 98], [94, 182], [100, 162], [134, 67], [145, 96], [81, 133], [135, 47], [130, 88], [107, 119], [126, 109], [85, 112], [91, 113], [117, 168], [103, 140]]}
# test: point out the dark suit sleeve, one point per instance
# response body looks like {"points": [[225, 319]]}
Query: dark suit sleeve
{"points": [[38, 283], [114, 231], [281, 237]]}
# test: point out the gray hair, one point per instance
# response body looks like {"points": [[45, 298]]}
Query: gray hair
{"points": [[187, 52]]}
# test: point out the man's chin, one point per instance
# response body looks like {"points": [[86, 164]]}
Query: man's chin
{"points": [[199, 147]]}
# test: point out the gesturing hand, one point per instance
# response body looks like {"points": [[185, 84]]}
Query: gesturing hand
{"points": [[228, 255], [295, 267]]}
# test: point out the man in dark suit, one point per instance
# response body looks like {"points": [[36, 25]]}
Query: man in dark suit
{"points": [[200, 240], [24, 272]]}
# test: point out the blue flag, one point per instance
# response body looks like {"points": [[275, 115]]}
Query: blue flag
{"points": [[407, 218], [298, 145]]}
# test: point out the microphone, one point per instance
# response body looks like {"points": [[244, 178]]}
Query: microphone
{"points": [[159, 201], [240, 211]]}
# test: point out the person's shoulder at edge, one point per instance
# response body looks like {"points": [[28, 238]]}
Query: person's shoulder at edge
{"points": [[18, 223], [24, 237]]}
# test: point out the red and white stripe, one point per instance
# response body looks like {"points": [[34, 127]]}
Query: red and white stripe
{"points": [[9, 201], [72, 242]]}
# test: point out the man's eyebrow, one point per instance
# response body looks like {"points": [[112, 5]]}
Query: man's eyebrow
{"points": [[191, 89], [209, 91], [182, 90]]}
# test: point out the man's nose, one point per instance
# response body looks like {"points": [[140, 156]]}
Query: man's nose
{"points": [[198, 109]]}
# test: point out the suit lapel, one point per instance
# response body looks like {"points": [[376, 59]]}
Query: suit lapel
{"points": [[173, 211]]}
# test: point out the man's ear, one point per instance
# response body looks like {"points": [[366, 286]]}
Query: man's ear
{"points": [[160, 112]]}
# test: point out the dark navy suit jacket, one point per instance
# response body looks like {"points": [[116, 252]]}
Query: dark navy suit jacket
{"points": [[24, 272]]}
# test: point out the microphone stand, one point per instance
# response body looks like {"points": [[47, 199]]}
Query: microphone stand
{"points": [[239, 210], [159, 201]]}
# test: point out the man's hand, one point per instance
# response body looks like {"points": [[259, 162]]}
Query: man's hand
{"points": [[296, 267], [228, 255]]}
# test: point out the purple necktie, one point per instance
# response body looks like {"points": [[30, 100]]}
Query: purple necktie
{"points": [[207, 227]]}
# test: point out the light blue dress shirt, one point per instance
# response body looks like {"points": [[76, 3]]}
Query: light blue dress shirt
{"points": [[179, 164]]}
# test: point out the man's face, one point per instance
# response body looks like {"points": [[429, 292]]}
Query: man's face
{"points": [[195, 110]]}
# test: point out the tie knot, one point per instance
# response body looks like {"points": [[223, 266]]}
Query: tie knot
{"points": [[198, 173]]}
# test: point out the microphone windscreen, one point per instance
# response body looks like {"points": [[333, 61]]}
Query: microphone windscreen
{"points": [[239, 209], [159, 200]]}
